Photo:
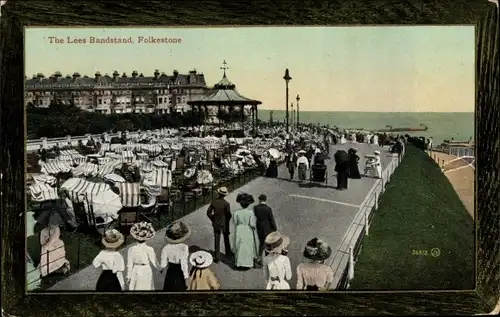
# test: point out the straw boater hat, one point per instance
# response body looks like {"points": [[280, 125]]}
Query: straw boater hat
{"points": [[222, 191], [142, 231], [376, 152], [276, 242], [302, 152], [113, 239], [177, 232], [317, 250], [201, 259]]}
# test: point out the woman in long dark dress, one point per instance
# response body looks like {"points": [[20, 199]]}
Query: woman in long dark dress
{"points": [[174, 257], [272, 170], [112, 263], [353, 164]]}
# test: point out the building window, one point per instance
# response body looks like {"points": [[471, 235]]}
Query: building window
{"points": [[160, 100], [178, 99], [99, 101], [40, 102]]}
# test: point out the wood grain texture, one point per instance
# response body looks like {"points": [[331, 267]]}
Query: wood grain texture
{"points": [[17, 14]]}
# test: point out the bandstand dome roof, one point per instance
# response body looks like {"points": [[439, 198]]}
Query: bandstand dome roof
{"points": [[224, 93]]}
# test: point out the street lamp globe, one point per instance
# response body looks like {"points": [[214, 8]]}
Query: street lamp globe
{"points": [[287, 77]]}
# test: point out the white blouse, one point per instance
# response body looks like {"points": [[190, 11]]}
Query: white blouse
{"points": [[177, 254], [303, 160], [140, 254], [277, 266], [113, 261]]}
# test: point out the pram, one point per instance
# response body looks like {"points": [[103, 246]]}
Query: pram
{"points": [[369, 164], [318, 174]]}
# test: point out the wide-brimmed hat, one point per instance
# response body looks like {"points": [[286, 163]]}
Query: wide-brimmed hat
{"points": [[177, 232], [275, 242], [245, 199], [142, 231], [317, 250], [302, 152], [376, 152], [222, 191], [201, 259], [112, 239]]}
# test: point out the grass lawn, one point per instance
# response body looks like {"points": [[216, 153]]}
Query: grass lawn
{"points": [[81, 248], [418, 212]]}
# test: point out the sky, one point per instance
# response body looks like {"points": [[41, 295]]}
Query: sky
{"points": [[369, 69]]}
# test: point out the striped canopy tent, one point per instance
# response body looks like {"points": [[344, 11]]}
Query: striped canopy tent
{"points": [[224, 94]]}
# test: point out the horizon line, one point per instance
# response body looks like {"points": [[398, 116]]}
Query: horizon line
{"points": [[373, 111]]}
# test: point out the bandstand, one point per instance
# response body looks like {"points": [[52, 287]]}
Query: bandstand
{"points": [[225, 97]]}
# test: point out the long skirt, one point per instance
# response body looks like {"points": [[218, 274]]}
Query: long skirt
{"points": [[342, 179], [174, 279], [302, 172], [108, 282]]}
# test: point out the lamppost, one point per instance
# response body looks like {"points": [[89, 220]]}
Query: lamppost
{"points": [[293, 115], [287, 79], [298, 110]]}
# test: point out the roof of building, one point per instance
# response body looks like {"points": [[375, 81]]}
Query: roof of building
{"points": [[224, 93], [77, 81]]}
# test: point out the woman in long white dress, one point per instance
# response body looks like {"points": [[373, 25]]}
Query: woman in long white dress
{"points": [[140, 257], [111, 262], [53, 252], [276, 265], [244, 239], [342, 139], [377, 165]]}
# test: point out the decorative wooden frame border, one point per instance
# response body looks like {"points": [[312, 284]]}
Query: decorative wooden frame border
{"points": [[17, 14]]}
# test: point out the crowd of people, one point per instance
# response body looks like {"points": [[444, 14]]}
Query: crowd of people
{"points": [[255, 243]]}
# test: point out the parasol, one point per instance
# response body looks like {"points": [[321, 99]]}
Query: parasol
{"points": [[50, 216], [189, 172], [274, 153], [341, 156], [115, 178], [204, 177], [106, 205]]}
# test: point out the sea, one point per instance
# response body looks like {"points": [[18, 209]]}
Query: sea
{"points": [[441, 125]]}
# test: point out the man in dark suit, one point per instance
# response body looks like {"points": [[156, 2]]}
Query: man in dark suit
{"points": [[219, 212], [265, 221]]}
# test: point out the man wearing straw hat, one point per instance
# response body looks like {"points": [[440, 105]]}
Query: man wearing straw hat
{"points": [[219, 213]]}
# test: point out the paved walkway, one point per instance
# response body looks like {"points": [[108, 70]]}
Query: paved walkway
{"points": [[461, 176], [301, 212]]}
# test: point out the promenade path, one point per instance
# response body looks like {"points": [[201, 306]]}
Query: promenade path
{"points": [[461, 175], [301, 212]]}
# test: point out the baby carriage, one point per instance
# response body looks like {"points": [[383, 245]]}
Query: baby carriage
{"points": [[369, 164]]}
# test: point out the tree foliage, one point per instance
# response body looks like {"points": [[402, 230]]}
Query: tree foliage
{"points": [[59, 120]]}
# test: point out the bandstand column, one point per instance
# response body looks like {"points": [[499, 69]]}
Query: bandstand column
{"points": [[242, 108], [256, 117], [218, 116]]}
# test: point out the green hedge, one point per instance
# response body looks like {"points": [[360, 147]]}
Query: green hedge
{"points": [[61, 120]]}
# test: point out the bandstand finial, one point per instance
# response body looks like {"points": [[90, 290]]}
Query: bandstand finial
{"points": [[224, 67]]}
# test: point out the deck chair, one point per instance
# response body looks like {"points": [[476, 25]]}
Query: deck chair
{"points": [[148, 210], [127, 216]]}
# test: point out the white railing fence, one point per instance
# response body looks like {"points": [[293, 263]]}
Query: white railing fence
{"points": [[366, 211]]}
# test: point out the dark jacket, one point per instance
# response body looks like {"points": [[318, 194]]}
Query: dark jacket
{"points": [[219, 212], [265, 220]]}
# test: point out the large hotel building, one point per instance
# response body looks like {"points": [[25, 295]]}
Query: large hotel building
{"points": [[106, 94]]}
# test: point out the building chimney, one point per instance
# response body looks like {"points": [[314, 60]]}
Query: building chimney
{"points": [[34, 76], [97, 75], [141, 75], [75, 76], [57, 76], [40, 76], [68, 76], [134, 74], [163, 74], [115, 75], [124, 75], [157, 74], [176, 73]]}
